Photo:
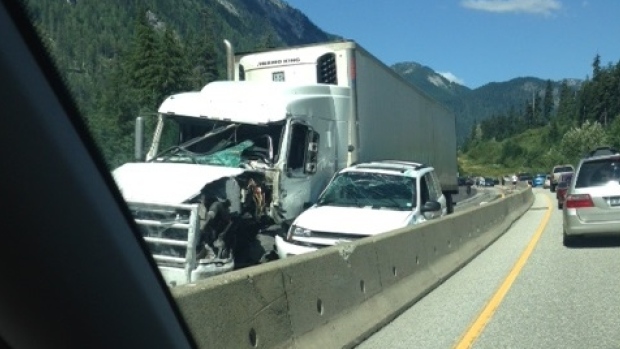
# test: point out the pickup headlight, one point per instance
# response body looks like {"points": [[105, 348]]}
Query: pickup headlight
{"points": [[298, 231]]}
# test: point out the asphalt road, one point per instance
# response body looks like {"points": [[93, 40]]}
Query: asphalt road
{"points": [[477, 196], [559, 298]]}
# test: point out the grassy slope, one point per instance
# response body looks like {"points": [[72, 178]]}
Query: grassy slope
{"points": [[530, 152]]}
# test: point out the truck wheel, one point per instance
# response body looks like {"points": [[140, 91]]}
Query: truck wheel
{"points": [[449, 204]]}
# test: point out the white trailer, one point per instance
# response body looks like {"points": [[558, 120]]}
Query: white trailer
{"points": [[389, 118], [251, 153]]}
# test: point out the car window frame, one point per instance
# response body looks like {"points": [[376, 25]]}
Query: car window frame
{"points": [[80, 275]]}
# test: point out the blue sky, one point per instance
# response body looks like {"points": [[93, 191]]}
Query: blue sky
{"points": [[475, 42]]}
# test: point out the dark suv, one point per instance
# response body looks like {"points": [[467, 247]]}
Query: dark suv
{"points": [[592, 203]]}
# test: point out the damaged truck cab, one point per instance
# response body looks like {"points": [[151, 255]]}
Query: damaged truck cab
{"points": [[228, 166]]}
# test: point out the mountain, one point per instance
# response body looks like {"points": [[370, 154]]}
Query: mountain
{"points": [[87, 37], [474, 105]]}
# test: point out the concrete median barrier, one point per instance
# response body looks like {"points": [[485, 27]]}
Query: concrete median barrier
{"points": [[337, 296]]}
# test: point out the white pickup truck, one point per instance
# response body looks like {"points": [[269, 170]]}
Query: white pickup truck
{"points": [[557, 172], [365, 200]]}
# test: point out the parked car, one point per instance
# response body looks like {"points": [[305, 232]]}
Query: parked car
{"points": [[557, 171], [365, 200], [560, 193], [592, 203]]}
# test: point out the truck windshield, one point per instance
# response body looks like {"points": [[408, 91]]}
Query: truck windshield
{"points": [[376, 190], [221, 143]]}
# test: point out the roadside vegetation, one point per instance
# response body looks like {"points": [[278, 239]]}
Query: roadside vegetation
{"points": [[552, 128]]}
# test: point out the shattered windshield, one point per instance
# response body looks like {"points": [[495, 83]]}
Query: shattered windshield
{"points": [[376, 190], [209, 142]]}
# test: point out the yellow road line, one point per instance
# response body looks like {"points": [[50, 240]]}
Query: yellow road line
{"points": [[476, 328]]}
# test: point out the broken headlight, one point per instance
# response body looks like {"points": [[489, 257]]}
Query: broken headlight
{"points": [[298, 231]]}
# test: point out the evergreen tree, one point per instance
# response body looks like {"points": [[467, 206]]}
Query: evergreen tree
{"points": [[547, 106], [596, 67], [172, 67], [567, 107], [202, 53], [142, 65], [268, 41]]}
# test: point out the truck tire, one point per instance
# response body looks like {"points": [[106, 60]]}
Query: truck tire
{"points": [[449, 203]]}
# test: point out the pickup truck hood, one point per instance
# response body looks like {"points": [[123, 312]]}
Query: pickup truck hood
{"points": [[167, 183], [361, 221]]}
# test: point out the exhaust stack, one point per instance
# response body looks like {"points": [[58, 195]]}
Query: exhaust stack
{"points": [[230, 61]]}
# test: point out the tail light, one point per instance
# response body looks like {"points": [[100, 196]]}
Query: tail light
{"points": [[578, 201]]}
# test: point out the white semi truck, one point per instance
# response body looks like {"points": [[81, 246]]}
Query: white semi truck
{"points": [[232, 165]]}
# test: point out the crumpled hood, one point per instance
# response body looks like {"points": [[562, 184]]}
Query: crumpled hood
{"points": [[166, 183], [352, 220]]}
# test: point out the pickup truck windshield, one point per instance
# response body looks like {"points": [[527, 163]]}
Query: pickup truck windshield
{"points": [[376, 190]]}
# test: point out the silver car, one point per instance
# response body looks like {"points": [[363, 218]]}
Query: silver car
{"points": [[592, 203]]}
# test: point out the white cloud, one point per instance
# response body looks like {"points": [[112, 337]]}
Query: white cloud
{"points": [[538, 7], [452, 78]]}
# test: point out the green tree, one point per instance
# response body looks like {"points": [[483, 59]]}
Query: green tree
{"points": [[596, 67], [580, 140], [566, 114], [172, 67], [202, 53], [613, 132], [111, 123], [547, 106], [142, 65], [510, 151], [267, 41]]}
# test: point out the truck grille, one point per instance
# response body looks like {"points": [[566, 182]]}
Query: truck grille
{"points": [[170, 231]]}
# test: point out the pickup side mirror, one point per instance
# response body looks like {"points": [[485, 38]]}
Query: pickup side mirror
{"points": [[430, 206]]}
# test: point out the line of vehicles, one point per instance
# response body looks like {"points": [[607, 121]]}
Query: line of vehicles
{"points": [[588, 195], [323, 129], [591, 202]]}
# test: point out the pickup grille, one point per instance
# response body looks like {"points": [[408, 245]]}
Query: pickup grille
{"points": [[334, 238]]}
